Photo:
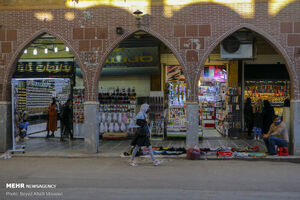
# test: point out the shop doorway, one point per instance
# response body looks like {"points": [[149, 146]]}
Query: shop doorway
{"points": [[250, 68], [142, 69], [43, 82]]}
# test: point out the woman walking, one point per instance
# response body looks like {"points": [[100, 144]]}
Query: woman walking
{"points": [[52, 118], [248, 111], [143, 135], [267, 113]]}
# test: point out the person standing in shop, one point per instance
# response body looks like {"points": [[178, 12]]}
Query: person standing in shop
{"points": [[248, 112], [142, 135], [257, 119], [267, 113], [52, 118], [67, 119], [277, 135]]}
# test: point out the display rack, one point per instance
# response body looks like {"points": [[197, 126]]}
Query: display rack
{"points": [[117, 110], [233, 117], [156, 115], [78, 105]]}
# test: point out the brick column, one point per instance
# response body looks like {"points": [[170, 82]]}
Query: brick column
{"points": [[5, 126], [192, 106], [295, 127]]}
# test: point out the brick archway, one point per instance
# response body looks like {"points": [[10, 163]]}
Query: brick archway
{"points": [[126, 35], [277, 46], [19, 51]]}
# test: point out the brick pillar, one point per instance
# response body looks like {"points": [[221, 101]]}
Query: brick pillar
{"points": [[5, 126], [295, 127], [192, 106]]}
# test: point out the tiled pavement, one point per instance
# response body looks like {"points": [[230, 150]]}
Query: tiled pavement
{"points": [[41, 146]]}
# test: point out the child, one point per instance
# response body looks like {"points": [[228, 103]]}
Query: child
{"points": [[258, 119]]}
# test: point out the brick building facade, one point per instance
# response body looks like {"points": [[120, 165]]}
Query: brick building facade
{"points": [[91, 35]]}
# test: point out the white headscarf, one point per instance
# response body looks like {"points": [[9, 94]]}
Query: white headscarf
{"points": [[142, 114]]}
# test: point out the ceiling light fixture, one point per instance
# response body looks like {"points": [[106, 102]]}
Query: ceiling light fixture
{"points": [[46, 51], [67, 49], [55, 49], [25, 51], [34, 52]]}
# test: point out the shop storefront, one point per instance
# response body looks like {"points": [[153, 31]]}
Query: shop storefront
{"points": [[46, 70]]}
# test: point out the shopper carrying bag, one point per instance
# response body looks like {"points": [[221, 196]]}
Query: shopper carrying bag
{"points": [[142, 137]]}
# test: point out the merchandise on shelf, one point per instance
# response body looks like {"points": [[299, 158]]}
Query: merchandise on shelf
{"points": [[273, 91], [116, 110], [233, 107], [156, 115], [209, 96], [177, 93], [78, 105]]}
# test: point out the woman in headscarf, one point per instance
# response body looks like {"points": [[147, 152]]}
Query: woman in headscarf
{"points": [[52, 118], [268, 113], [142, 135], [248, 111]]}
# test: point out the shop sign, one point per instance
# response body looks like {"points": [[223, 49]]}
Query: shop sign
{"points": [[44, 69], [133, 57]]}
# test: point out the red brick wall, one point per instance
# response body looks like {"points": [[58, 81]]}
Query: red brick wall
{"points": [[191, 33]]}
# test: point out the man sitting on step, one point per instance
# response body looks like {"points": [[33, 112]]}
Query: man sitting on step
{"points": [[277, 135]]}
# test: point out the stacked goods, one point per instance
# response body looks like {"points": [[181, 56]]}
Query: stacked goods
{"points": [[78, 106], [116, 111]]}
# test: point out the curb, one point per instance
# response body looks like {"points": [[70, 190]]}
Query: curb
{"points": [[294, 159]]}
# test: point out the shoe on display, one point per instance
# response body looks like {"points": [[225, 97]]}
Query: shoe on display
{"points": [[132, 163], [156, 163]]}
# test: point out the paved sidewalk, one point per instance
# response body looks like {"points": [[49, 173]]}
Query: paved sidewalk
{"points": [[39, 146]]}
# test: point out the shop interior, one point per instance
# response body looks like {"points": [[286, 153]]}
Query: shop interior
{"points": [[141, 69], [45, 70]]}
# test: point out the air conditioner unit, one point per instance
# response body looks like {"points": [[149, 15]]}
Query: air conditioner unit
{"points": [[237, 46]]}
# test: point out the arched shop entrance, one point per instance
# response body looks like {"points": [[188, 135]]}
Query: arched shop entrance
{"points": [[243, 65], [142, 69], [46, 70]]}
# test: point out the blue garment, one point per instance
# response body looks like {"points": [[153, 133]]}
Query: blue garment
{"points": [[272, 141], [257, 132], [24, 125]]}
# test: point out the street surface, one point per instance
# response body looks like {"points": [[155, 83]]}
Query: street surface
{"points": [[174, 179]]}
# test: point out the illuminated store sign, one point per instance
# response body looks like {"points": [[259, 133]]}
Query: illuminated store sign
{"points": [[133, 57], [43, 69]]}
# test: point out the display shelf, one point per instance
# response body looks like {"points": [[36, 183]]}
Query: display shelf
{"points": [[156, 115], [117, 110], [78, 105], [233, 118]]}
